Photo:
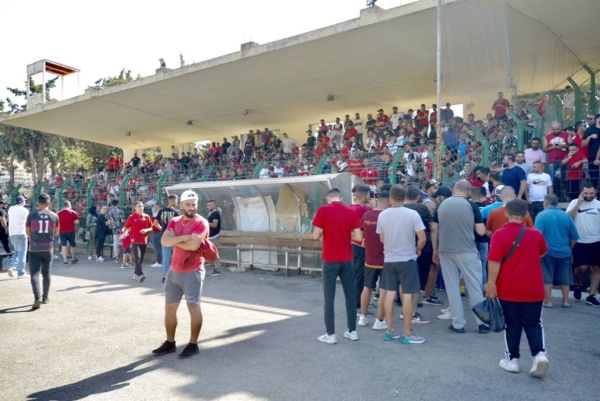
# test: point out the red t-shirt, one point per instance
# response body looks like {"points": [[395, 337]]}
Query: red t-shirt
{"points": [[135, 223], [500, 107], [382, 120], [575, 173], [337, 221], [360, 210], [373, 244], [354, 166], [554, 140], [67, 218], [583, 149], [126, 242], [520, 278], [369, 175], [423, 117], [154, 229], [186, 261], [350, 132]]}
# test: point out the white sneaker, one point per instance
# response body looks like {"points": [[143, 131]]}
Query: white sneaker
{"points": [[56, 257], [100, 259], [380, 325], [351, 335], [540, 365], [363, 321], [445, 316], [11, 272], [511, 365], [156, 264], [445, 310], [90, 257], [23, 276], [328, 339]]}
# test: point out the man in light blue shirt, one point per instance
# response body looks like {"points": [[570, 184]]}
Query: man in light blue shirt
{"points": [[561, 235]]}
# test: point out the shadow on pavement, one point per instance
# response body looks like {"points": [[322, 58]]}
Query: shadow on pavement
{"points": [[15, 309], [98, 384]]}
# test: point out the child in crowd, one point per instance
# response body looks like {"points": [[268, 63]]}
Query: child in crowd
{"points": [[126, 249]]}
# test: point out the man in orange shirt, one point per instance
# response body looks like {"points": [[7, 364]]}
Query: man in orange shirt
{"points": [[498, 217], [139, 225]]}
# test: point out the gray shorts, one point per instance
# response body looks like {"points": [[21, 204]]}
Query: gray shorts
{"points": [[405, 273], [179, 284], [557, 270]]}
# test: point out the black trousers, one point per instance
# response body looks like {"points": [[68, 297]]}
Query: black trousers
{"points": [[100, 238], [138, 250], [519, 316], [4, 239], [40, 261], [358, 259]]}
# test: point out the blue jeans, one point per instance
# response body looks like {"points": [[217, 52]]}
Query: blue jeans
{"points": [[19, 243], [156, 237], [167, 251], [483, 248]]}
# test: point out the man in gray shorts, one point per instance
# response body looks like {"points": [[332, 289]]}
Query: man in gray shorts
{"points": [[185, 234], [397, 227]]}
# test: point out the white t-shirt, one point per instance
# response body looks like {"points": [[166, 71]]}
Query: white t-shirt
{"points": [[587, 221], [534, 156], [399, 225], [358, 125], [17, 216], [537, 185], [395, 118]]}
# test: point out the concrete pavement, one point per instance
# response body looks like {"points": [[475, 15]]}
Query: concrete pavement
{"points": [[258, 342]]}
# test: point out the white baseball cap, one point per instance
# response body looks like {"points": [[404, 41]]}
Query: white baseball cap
{"points": [[188, 195]]}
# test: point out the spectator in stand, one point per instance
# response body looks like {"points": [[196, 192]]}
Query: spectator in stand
{"points": [[135, 164], [539, 184], [174, 151], [288, 144], [568, 105], [433, 117], [534, 153], [514, 176], [111, 165], [500, 106], [138, 225], [358, 125], [68, 224], [323, 128], [574, 164], [395, 118], [224, 146], [520, 162], [592, 136], [555, 145], [422, 117], [447, 113], [382, 120]]}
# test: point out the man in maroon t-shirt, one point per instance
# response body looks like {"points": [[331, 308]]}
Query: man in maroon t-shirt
{"points": [[361, 205], [373, 263], [68, 222], [338, 224], [519, 285]]}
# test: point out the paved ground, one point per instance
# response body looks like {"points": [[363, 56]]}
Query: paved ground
{"points": [[93, 341]]}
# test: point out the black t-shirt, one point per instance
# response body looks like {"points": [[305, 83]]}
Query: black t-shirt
{"points": [[311, 142], [42, 224], [165, 215], [594, 144], [212, 216], [135, 161], [225, 146], [426, 218]]}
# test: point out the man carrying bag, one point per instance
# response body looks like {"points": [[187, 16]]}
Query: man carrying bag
{"points": [[515, 277]]}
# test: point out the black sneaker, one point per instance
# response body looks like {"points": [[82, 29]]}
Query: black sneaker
{"points": [[577, 293], [166, 348], [189, 350], [163, 279], [75, 260], [455, 330], [36, 304], [433, 300], [591, 300], [45, 300], [215, 272], [66, 263], [483, 329]]}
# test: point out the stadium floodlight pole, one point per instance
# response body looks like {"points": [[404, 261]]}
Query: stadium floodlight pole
{"points": [[438, 137]]}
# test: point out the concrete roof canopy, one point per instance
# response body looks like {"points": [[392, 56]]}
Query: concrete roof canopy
{"points": [[381, 59]]}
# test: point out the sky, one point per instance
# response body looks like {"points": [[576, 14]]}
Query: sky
{"points": [[100, 38]]}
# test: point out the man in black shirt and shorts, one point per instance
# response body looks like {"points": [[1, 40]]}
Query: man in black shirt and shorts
{"points": [[214, 225], [41, 227]]}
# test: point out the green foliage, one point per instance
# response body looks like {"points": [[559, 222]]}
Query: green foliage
{"points": [[123, 78]]}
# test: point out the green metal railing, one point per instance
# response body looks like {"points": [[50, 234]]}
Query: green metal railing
{"points": [[159, 188], [485, 156], [15, 192], [593, 106], [259, 166], [61, 193], [321, 165], [39, 188], [89, 192], [122, 189], [558, 102], [395, 162]]}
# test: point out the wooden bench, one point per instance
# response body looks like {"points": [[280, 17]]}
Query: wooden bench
{"points": [[286, 243]]}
